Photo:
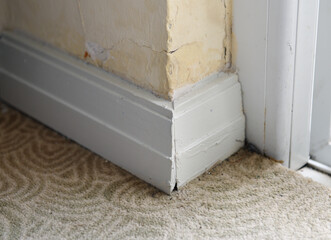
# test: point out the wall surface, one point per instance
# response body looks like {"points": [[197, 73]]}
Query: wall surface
{"points": [[199, 39], [128, 41], [160, 45], [133, 32], [54, 21], [3, 13]]}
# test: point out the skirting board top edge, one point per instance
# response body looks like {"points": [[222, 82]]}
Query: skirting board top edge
{"points": [[110, 80], [101, 77]]}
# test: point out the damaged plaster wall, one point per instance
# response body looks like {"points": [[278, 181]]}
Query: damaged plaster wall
{"points": [[134, 34], [199, 39], [160, 45], [127, 37]]}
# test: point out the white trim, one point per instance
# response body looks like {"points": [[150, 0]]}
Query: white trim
{"points": [[209, 126], [162, 142], [304, 82], [250, 26], [98, 110], [319, 166], [281, 39], [272, 42], [320, 146]]}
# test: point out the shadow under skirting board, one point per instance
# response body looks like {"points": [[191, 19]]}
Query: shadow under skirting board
{"points": [[162, 142]]}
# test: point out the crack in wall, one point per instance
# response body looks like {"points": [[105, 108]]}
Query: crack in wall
{"points": [[154, 50], [143, 46], [201, 50], [102, 49], [81, 17], [227, 41]]}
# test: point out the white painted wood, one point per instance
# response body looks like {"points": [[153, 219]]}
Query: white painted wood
{"points": [[197, 114], [303, 82], [250, 21], [116, 146], [148, 136], [208, 129], [206, 152], [275, 42], [124, 116], [265, 33], [321, 119], [282, 26], [94, 108]]}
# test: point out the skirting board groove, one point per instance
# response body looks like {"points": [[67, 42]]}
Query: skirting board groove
{"points": [[162, 142]]}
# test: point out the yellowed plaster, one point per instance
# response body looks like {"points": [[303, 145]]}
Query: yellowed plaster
{"points": [[145, 67], [160, 45], [199, 42], [191, 63], [134, 34], [54, 21]]}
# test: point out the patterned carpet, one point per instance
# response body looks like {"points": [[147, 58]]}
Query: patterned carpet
{"points": [[52, 188]]}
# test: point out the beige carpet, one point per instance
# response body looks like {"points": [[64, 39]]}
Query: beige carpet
{"points": [[52, 188]]}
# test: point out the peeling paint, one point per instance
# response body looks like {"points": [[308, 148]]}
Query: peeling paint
{"points": [[96, 52]]}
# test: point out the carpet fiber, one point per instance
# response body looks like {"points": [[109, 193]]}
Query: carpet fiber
{"points": [[52, 188]]}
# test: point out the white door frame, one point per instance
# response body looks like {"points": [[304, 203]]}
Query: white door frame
{"points": [[307, 26], [275, 41], [320, 148]]}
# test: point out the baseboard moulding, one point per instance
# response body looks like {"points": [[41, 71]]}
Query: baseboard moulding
{"points": [[163, 142]]}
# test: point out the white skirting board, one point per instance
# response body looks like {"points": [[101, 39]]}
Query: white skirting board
{"points": [[162, 142]]}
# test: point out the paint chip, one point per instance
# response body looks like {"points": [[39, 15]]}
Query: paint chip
{"points": [[96, 51]]}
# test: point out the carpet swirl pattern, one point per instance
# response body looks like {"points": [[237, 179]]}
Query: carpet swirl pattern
{"points": [[52, 188]]}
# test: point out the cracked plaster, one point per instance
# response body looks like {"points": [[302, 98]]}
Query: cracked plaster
{"points": [[160, 45]]}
